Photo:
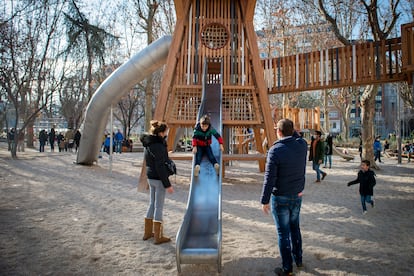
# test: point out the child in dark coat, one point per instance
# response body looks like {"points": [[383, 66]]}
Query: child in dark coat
{"points": [[203, 133], [366, 180]]}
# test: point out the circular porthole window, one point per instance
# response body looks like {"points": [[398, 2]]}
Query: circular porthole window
{"points": [[214, 36]]}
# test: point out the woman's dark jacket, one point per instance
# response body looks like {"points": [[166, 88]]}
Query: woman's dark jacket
{"points": [[155, 156], [367, 182], [285, 168], [329, 143]]}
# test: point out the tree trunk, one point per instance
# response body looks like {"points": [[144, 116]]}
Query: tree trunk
{"points": [[346, 121], [367, 123], [149, 94], [326, 111], [13, 148], [30, 135]]}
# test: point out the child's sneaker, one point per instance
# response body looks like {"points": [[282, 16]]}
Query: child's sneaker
{"points": [[217, 168], [364, 212], [196, 170]]}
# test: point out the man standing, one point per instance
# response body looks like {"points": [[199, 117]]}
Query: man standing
{"points": [[377, 149], [284, 181], [328, 151], [316, 155], [119, 138]]}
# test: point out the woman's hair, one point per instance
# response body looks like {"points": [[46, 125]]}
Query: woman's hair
{"points": [[205, 120], [157, 127]]}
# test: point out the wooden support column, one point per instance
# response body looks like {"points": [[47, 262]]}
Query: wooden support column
{"points": [[248, 10], [171, 62]]}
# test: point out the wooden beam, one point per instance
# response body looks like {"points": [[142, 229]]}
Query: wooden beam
{"points": [[260, 82], [226, 157], [180, 9], [171, 64], [248, 6]]}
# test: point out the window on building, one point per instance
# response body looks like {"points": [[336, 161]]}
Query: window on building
{"points": [[333, 114]]}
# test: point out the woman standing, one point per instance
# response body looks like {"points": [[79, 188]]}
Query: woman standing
{"points": [[155, 156]]}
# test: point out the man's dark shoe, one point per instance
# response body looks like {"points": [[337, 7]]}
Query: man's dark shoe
{"points": [[324, 175], [372, 203], [299, 265], [280, 272]]}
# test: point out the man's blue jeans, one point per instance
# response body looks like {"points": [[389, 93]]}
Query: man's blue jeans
{"points": [[316, 167], [328, 159], [118, 146], [286, 212]]}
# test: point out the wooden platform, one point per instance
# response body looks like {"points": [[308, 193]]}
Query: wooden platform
{"points": [[226, 157]]}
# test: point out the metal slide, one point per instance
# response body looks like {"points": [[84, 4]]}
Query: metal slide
{"points": [[117, 85], [199, 237]]}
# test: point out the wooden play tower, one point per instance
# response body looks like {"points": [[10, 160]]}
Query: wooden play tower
{"points": [[216, 34]]}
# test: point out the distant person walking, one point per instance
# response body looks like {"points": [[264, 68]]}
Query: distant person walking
{"points": [[316, 155], [118, 139], [69, 140], [328, 151], [42, 140], [10, 138], [377, 149], [52, 136], [366, 180], [76, 139], [284, 181]]}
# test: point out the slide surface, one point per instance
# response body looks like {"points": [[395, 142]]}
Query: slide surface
{"points": [[110, 92], [199, 237]]}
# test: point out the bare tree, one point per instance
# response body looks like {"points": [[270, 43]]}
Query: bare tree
{"points": [[406, 94], [342, 99], [131, 110], [26, 69], [73, 98], [376, 20]]}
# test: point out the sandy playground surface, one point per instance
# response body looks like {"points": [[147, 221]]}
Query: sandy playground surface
{"points": [[58, 218]]}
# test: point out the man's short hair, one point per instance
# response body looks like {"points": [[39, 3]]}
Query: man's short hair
{"points": [[286, 127], [318, 133]]}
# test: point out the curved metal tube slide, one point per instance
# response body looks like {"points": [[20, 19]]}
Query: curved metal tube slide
{"points": [[198, 240], [118, 84]]}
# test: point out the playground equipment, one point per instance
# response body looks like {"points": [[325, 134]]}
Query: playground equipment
{"points": [[345, 156], [219, 36], [385, 61], [199, 237], [117, 85]]}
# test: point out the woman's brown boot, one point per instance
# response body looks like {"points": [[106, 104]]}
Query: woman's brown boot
{"points": [[148, 229], [158, 236]]}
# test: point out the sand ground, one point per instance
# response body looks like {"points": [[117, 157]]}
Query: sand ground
{"points": [[59, 218]]}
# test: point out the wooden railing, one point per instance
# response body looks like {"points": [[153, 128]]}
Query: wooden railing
{"points": [[385, 61], [407, 41]]}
